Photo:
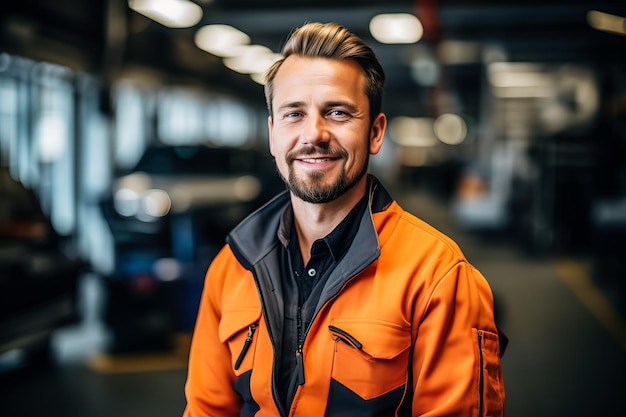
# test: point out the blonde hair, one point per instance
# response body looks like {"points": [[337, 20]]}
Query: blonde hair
{"points": [[332, 41]]}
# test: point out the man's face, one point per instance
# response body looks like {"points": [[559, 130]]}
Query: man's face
{"points": [[320, 133]]}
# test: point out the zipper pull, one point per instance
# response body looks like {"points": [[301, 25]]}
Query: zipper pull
{"points": [[300, 365], [246, 345]]}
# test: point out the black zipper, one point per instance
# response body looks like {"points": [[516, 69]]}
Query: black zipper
{"points": [[291, 392], [480, 374], [299, 359], [246, 345], [346, 337]]}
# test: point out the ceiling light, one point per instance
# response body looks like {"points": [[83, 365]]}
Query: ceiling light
{"points": [[607, 22], [251, 59], [396, 28], [170, 13], [220, 40]]}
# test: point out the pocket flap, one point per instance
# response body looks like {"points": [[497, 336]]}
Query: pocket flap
{"points": [[235, 321], [378, 339]]}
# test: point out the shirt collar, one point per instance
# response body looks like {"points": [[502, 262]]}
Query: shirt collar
{"points": [[338, 241]]}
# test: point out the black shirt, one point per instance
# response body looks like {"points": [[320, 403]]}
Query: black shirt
{"points": [[303, 284]]}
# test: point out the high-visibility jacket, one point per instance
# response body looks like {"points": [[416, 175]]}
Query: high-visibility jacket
{"points": [[404, 326]]}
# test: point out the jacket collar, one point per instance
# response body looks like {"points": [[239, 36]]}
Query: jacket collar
{"points": [[257, 235]]}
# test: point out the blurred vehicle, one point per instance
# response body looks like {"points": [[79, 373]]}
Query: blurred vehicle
{"points": [[169, 215], [38, 280]]}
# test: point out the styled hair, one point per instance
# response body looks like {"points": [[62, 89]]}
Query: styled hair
{"points": [[332, 41]]}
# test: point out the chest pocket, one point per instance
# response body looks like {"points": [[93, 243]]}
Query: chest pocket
{"points": [[238, 329], [371, 357]]}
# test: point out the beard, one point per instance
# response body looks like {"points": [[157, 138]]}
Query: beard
{"points": [[313, 187]]}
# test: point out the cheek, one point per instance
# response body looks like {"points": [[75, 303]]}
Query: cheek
{"points": [[277, 149], [359, 161], [281, 163], [278, 141], [360, 155], [279, 155]]}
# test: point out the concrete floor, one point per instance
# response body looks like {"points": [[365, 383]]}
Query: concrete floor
{"points": [[566, 356]]}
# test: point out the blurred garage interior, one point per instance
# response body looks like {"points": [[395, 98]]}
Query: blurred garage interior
{"points": [[130, 144]]}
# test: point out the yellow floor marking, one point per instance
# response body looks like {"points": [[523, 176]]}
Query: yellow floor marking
{"points": [[135, 363], [577, 278], [143, 362]]}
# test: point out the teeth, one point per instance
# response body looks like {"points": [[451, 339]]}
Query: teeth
{"points": [[316, 161]]}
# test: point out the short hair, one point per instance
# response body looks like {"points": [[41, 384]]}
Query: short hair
{"points": [[333, 41]]}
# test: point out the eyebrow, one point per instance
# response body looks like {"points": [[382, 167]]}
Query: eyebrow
{"points": [[351, 107], [290, 105]]}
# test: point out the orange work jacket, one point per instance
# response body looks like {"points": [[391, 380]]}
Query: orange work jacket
{"points": [[404, 326]]}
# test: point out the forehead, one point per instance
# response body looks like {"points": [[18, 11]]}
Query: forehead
{"points": [[318, 76]]}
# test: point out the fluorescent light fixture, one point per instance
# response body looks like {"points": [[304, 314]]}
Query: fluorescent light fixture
{"points": [[396, 28], [170, 13], [220, 40], [607, 22], [251, 59]]}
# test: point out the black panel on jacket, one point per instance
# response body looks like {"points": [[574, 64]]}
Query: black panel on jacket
{"points": [[343, 402], [242, 386]]}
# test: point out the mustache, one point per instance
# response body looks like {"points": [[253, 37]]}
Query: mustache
{"points": [[324, 151]]}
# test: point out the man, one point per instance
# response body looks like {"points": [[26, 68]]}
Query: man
{"points": [[331, 300]]}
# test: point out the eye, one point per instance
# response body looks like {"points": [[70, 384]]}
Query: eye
{"points": [[339, 114], [292, 115]]}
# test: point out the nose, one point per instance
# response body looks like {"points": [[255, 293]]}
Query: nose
{"points": [[314, 130]]}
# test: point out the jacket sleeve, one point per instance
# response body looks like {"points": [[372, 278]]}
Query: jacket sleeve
{"points": [[209, 387], [456, 358]]}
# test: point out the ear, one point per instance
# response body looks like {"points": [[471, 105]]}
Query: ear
{"points": [[270, 129], [377, 133]]}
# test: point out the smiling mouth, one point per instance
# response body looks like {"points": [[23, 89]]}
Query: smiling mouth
{"points": [[316, 160], [316, 155]]}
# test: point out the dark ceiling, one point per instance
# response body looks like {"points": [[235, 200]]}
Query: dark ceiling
{"points": [[105, 37]]}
